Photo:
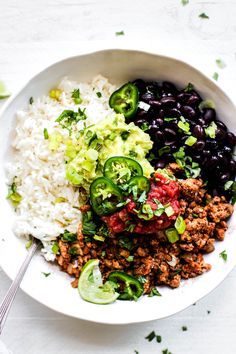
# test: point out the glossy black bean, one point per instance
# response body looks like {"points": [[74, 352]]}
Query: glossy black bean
{"points": [[172, 125], [201, 121], [155, 103], [140, 84], [168, 101], [220, 134], [147, 96], [159, 122], [230, 139], [160, 164], [209, 114], [141, 114], [192, 101], [198, 132], [211, 144], [161, 113], [212, 162], [223, 160], [169, 157], [172, 113], [159, 136], [174, 147], [182, 97], [178, 105], [188, 112], [139, 122], [199, 145], [197, 158], [206, 153], [227, 150], [232, 166], [221, 125], [169, 87], [169, 133], [224, 176]]}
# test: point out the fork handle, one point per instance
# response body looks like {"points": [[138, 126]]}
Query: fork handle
{"points": [[11, 293]]}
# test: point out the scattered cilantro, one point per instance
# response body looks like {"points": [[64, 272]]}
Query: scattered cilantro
{"points": [[136, 352], [166, 351], [223, 255], [154, 292], [163, 150], [119, 205], [184, 328], [55, 248], [220, 63], [73, 251], [13, 195], [46, 274], [125, 242], [151, 336], [189, 87], [69, 236], [45, 133], [142, 279], [120, 33], [210, 131], [169, 119], [145, 126], [31, 100], [99, 94], [130, 226], [158, 338], [215, 76], [76, 96], [103, 254], [203, 15], [89, 226], [184, 2], [124, 135], [29, 244], [208, 312], [130, 259]]}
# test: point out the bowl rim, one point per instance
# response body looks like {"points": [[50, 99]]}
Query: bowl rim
{"points": [[107, 50]]}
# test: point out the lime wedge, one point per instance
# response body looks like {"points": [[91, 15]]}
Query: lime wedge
{"points": [[91, 287], [4, 93]]}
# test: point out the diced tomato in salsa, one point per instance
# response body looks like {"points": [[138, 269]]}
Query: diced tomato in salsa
{"points": [[164, 190]]}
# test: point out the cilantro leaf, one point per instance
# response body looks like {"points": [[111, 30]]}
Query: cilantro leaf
{"points": [[223, 255], [203, 16]]}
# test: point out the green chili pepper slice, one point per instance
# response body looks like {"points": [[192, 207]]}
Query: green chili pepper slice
{"points": [[125, 100], [132, 289], [121, 169], [139, 186], [105, 196]]}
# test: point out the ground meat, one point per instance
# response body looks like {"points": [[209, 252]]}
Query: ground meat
{"points": [[151, 256]]}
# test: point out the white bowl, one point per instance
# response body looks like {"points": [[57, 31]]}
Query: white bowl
{"points": [[55, 291]]}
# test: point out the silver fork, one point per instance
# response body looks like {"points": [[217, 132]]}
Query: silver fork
{"points": [[10, 295]]}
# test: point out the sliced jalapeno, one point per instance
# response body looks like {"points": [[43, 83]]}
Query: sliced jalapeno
{"points": [[104, 196], [121, 169], [139, 185], [125, 100], [132, 289]]}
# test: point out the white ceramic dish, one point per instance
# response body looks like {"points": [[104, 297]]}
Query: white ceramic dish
{"points": [[55, 291]]}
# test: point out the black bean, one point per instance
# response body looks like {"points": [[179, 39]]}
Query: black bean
{"points": [[230, 139], [206, 153], [183, 97], [159, 122], [211, 144], [170, 133], [199, 145], [172, 125], [232, 166], [139, 122], [169, 87], [172, 113], [188, 112], [161, 114], [155, 103], [221, 125], [201, 121], [140, 84], [197, 158], [174, 147], [220, 134], [141, 114], [147, 96], [178, 105], [160, 164], [168, 101], [227, 150], [169, 157], [192, 100], [223, 160], [212, 162], [198, 132], [225, 176], [209, 114], [159, 136]]}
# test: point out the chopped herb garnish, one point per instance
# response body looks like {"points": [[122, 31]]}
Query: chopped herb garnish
{"points": [[195, 215], [145, 126], [76, 96], [184, 328], [189, 87], [99, 94], [130, 259], [210, 131], [55, 94], [169, 119], [31, 100], [103, 254], [125, 242], [29, 244], [45, 133], [68, 236], [203, 15], [119, 205], [120, 33], [151, 336], [172, 235], [130, 227], [215, 76], [99, 238], [136, 352], [13, 195], [124, 135], [143, 197], [166, 351], [228, 184], [208, 311], [55, 248], [89, 226], [73, 250], [183, 125], [158, 338], [154, 292], [180, 224], [184, 2], [169, 210], [60, 200], [4, 93], [220, 63], [163, 150], [46, 274], [224, 255], [190, 141], [142, 279], [206, 104]]}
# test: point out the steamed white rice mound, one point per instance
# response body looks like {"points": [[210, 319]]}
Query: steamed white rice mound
{"points": [[49, 202]]}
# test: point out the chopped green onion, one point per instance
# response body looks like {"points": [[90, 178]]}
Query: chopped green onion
{"points": [[172, 235], [60, 200], [55, 248], [145, 126], [220, 63], [99, 238], [45, 133], [169, 211], [163, 150], [4, 93], [170, 119], [184, 328], [73, 250], [184, 2], [210, 131], [228, 184], [76, 96], [180, 224], [13, 195], [215, 76], [189, 87], [120, 33], [183, 125], [68, 236], [190, 141], [203, 15], [151, 336], [130, 259], [206, 104], [55, 94]]}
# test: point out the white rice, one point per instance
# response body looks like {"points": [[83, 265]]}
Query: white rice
{"points": [[40, 172]]}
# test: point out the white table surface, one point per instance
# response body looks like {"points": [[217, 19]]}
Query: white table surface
{"points": [[33, 34]]}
